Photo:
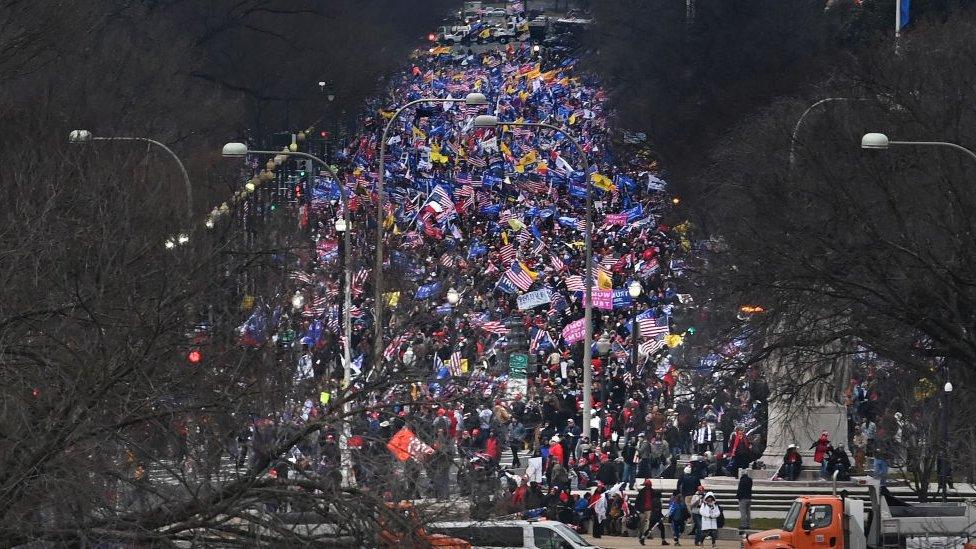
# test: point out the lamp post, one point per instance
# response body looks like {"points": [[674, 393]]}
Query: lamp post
{"points": [[799, 122], [472, 99], [79, 137], [942, 469], [881, 141], [634, 289], [486, 121], [240, 150]]}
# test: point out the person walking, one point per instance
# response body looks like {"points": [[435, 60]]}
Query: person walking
{"points": [[695, 509], [744, 494], [677, 514], [649, 507], [710, 513]]}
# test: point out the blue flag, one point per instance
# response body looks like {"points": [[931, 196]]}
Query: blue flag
{"points": [[506, 285], [904, 13], [428, 291]]}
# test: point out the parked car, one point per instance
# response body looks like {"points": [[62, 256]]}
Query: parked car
{"points": [[543, 534]]}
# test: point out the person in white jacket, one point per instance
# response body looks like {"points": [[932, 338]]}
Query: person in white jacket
{"points": [[710, 512]]}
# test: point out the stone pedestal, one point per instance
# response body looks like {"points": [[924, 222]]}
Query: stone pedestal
{"points": [[801, 425]]}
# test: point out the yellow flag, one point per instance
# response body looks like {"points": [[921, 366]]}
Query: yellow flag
{"points": [[387, 114], [673, 340], [504, 148], [247, 302], [515, 224], [532, 274], [603, 280], [601, 181], [441, 50], [519, 168], [528, 158], [325, 397], [464, 365], [419, 134], [392, 298], [572, 119], [523, 95]]}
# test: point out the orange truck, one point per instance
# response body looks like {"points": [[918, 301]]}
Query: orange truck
{"points": [[841, 522]]}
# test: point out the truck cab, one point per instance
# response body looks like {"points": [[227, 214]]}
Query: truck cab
{"points": [[812, 522], [839, 522]]}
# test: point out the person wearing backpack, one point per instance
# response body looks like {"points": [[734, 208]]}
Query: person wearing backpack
{"points": [[711, 516], [677, 514]]}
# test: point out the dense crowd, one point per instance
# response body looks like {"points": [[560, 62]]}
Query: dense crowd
{"points": [[492, 215]]}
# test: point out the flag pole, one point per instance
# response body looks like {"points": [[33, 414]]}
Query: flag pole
{"points": [[897, 20]]}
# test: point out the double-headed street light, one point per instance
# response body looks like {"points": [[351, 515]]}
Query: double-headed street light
{"points": [[81, 137], [488, 121], [342, 225], [472, 99]]}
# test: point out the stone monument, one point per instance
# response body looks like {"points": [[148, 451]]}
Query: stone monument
{"points": [[801, 405]]}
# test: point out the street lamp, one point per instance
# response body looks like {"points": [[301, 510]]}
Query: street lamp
{"points": [[472, 99], [880, 141], [634, 289], [240, 150], [80, 137], [488, 121]]}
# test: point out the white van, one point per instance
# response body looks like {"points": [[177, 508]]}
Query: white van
{"points": [[543, 534]]}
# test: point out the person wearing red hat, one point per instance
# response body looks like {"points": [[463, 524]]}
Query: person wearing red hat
{"points": [[649, 507]]}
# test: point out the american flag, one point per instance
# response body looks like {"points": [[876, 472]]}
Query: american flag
{"points": [[333, 318], [581, 225], [466, 191], [440, 196], [574, 283], [355, 312], [477, 162], [522, 131], [651, 346], [464, 179], [608, 261], [393, 348], [448, 260], [493, 327], [558, 265], [519, 277], [507, 253], [455, 364], [301, 276], [358, 280], [317, 307], [332, 290], [539, 248], [470, 110], [504, 216], [491, 269], [531, 186], [523, 236], [653, 327]]}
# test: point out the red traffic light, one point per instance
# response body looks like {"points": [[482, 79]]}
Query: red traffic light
{"points": [[324, 134], [432, 37], [194, 356]]}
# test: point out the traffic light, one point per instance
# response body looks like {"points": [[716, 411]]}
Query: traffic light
{"points": [[194, 356]]}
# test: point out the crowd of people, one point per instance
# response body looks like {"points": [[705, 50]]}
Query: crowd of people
{"points": [[495, 218]]}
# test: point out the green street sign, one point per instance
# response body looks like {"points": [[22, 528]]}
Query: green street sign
{"points": [[517, 365]]}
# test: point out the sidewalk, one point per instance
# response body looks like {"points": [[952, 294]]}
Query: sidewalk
{"points": [[628, 542]]}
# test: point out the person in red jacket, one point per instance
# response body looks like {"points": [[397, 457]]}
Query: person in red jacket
{"points": [[821, 447], [492, 448], [556, 452], [740, 451]]}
